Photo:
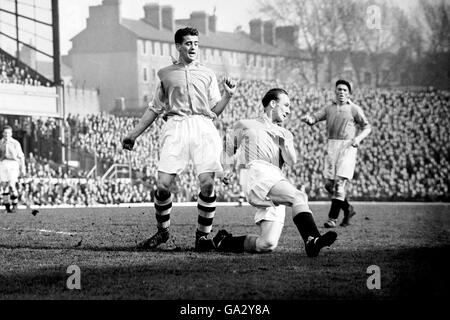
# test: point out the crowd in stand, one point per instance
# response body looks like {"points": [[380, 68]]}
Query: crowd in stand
{"points": [[12, 72], [406, 157]]}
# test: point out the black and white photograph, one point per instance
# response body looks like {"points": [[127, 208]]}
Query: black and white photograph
{"points": [[223, 158]]}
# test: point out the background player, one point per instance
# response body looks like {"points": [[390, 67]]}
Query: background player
{"points": [[342, 119], [12, 163], [188, 96], [264, 147]]}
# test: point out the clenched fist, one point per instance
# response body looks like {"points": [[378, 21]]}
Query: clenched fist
{"points": [[128, 143], [308, 120], [230, 86]]}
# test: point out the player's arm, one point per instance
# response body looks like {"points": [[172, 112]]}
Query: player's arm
{"points": [[314, 118], [147, 119], [232, 140], [21, 158], [230, 89], [154, 109], [287, 147], [363, 123]]}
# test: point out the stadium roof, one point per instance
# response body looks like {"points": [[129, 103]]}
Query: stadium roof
{"points": [[232, 41]]}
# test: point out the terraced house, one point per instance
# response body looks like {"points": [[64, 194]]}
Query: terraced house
{"points": [[121, 56]]}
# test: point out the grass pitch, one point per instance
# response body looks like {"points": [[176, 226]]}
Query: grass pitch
{"points": [[409, 243]]}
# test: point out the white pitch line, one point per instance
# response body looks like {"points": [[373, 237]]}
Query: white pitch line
{"points": [[53, 231], [42, 231], [222, 204]]}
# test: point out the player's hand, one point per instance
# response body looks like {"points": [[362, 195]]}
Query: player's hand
{"points": [[128, 143], [307, 119], [230, 86], [276, 132], [226, 179], [355, 143]]}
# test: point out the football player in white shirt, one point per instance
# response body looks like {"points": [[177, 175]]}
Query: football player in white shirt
{"points": [[12, 163]]}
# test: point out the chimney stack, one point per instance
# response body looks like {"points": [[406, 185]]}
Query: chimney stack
{"points": [[212, 23], [199, 20], [269, 32], [288, 34], [152, 15], [167, 17], [256, 30]]}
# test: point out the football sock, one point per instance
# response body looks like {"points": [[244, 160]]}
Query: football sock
{"points": [[250, 243], [306, 225], [163, 207], [236, 244], [336, 206], [206, 210], [6, 198], [345, 205], [14, 199]]}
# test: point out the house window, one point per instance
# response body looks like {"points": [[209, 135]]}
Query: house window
{"points": [[145, 74], [152, 45], [144, 47]]}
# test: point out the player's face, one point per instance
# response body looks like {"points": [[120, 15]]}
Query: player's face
{"points": [[282, 109], [7, 133], [188, 49], [342, 93]]}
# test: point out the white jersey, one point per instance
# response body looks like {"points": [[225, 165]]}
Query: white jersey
{"points": [[10, 149]]}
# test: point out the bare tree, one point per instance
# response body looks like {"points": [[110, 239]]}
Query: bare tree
{"points": [[317, 23], [437, 18]]}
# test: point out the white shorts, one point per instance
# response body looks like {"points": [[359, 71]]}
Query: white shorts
{"points": [[260, 178], [276, 213], [190, 138], [340, 159], [9, 171]]}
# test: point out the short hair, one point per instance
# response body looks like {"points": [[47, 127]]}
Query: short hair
{"points": [[188, 31], [273, 94], [7, 127], [344, 82]]}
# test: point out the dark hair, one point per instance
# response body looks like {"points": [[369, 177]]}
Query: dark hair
{"points": [[273, 94], [344, 82], [7, 127], [188, 31]]}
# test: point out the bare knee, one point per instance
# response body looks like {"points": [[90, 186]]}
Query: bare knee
{"points": [[163, 189], [206, 185], [339, 189], [329, 186], [265, 245]]}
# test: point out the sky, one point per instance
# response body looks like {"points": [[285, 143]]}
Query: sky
{"points": [[230, 13], [73, 14]]}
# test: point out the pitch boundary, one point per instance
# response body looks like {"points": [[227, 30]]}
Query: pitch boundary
{"points": [[219, 204]]}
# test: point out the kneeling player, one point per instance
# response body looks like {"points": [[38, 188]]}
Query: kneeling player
{"points": [[263, 147]]}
